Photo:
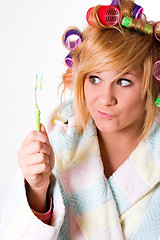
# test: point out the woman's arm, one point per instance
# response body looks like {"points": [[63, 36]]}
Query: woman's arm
{"points": [[36, 159]]}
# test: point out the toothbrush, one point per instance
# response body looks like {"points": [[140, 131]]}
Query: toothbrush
{"points": [[38, 88]]}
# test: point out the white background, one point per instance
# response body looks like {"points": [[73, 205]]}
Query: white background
{"points": [[30, 43]]}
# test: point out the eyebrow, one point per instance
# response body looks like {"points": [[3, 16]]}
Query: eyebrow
{"points": [[132, 72]]}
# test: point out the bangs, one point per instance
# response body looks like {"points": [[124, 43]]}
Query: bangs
{"points": [[111, 49]]}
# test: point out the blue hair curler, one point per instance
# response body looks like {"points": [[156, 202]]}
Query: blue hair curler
{"points": [[137, 11]]}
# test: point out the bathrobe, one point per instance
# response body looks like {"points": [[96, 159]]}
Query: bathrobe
{"points": [[87, 205]]}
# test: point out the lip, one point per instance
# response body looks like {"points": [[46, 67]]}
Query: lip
{"points": [[105, 115]]}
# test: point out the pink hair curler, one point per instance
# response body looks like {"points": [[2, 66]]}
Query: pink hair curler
{"points": [[156, 70], [109, 15], [157, 31]]}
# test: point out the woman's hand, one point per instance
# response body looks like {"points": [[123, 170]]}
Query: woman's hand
{"points": [[36, 159]]}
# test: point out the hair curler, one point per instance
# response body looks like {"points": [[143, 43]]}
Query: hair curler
{"points": [[156, 70], [72, 38], [157, 31], [69, 60], [89, 16], [109, 15], [116, 2], [129, 23], [137, 11], [157, 102]]}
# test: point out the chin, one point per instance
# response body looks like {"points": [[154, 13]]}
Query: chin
{"points": [[107, 128]]}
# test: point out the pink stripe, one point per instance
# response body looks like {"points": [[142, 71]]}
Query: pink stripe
{"points": [[130, 181], [80, 177]]}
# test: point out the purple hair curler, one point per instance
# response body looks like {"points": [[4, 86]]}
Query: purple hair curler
{"points": [[115, 3], [72, 39], [137, 11], [156, 70], [69, 61]]}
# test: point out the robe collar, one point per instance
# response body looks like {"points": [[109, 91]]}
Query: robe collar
{"points": [[97, 203]]}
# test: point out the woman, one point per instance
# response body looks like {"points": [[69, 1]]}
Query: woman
{"points": [[106, 157]]}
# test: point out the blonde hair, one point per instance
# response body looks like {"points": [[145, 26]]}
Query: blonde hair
{"points": [[116, 48]]}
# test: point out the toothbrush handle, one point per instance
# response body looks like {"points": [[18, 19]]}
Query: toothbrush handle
{"points": [[37, 119]]}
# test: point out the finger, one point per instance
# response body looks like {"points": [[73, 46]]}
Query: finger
{"points": [[33, 148], [39, 180], [35, 136], [36, 170], [42, 128], [30, 160]]}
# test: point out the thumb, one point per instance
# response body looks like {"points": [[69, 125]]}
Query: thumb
{"points": [[42, 128]]}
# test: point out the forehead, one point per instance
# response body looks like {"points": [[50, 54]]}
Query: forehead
{"points": [[136, 72]]}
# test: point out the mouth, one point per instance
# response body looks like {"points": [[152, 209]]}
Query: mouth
{"points": [[105, 115]]}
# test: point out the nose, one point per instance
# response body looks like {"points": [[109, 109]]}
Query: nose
{"points": [[108, 96]]}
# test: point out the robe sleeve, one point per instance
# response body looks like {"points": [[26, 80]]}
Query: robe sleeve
{"points": [[45, 217], [18, 220]]}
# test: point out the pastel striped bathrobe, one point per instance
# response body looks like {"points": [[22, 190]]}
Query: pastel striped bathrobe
{"points": [[86, 204]]}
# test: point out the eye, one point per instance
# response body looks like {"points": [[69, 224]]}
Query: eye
{"points": [[94, 79], [124, 82]]}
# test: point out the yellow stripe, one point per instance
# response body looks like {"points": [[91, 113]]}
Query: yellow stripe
{"points": [[99, 220]]}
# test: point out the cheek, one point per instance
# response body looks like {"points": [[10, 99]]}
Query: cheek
{"points": [[88, 94], [134, 105]]}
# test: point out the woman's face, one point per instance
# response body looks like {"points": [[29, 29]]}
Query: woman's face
{"points": [[117, 104]]}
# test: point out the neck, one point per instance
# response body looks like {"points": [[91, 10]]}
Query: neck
{"points": [[116, 147]]}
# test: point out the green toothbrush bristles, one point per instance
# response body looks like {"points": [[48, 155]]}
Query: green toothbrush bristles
{"points": [[38, 86]]}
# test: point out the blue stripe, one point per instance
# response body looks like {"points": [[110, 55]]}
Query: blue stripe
{"points": [[153, 142], [91, 197], [70, 140], [122, 201]]}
